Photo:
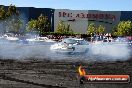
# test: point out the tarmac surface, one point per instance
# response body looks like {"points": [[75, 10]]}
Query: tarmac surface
{"points": [[34, 73]]}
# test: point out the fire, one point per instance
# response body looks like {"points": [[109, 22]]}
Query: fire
{"points": [[81, 71]]}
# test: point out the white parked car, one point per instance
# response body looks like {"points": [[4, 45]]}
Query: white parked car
{"points": [[37, 38], [10, 37], [45, 39], [122, 40], [40, 39], [71, 46]]}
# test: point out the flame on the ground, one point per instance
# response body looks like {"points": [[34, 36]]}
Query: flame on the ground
{"points": [[81, 71]]}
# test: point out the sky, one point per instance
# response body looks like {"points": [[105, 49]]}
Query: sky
{"points": [[105, 5]]}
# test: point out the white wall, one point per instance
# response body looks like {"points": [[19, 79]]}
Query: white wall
{"points": [[82, 20]]}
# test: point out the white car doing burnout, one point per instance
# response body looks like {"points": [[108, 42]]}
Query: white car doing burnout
{"points": [[71, 46]]}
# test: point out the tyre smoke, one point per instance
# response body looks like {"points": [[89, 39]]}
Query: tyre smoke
{"points": [[41, 50]]}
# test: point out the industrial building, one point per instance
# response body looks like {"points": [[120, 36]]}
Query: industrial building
{"points": [[78, 19]]}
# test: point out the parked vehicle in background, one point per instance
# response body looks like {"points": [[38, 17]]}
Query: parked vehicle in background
{"points": [[123, 40], [10, 36]]}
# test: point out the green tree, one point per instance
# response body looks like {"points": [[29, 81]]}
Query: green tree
{"points": [[60, 27], [124, 28], [32, 25], [41, 24], [100, 29], [91, 29], [12, 11], [13, 21], [2, 13], [69, 29], [14, 25], [10, 20], [2, 19]]}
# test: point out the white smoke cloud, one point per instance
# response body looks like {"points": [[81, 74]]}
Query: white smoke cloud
{"points": [[108, 51], [23, 51]]}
